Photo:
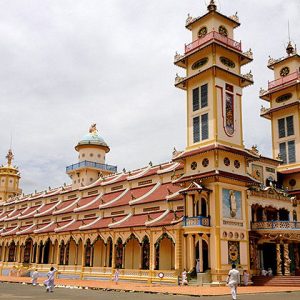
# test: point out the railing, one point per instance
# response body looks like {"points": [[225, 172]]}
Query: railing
{"points": [[214, 36], [196, 221], [86, 163], [275, 225], [283, 80]]}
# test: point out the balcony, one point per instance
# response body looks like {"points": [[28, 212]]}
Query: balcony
{"points": [[291, 78], [213, 36], [196, 221], [91, 164], [275, 225]]}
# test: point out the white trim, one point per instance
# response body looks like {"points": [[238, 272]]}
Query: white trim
{"points": [[158, 218], [120, 221], [92, 223], [24, 230], [171, 168], [138, 175], [48, 210], [67, 207], [33, 212], [88, 204], [43, 228], [114, 200], [158, 184], [118, 176], [172, 195], [8, 232], [62, 227], [57, 190]]}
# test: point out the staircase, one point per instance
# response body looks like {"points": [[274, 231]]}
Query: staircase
{"points": [[276, 280]]}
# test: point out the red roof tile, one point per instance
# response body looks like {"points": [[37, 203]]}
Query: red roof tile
{"points": [[102, 223], [66, 206], [169, 219], [46, 209], [14, 214]]}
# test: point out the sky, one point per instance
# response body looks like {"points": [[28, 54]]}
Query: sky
{"points": [[68, 63]]}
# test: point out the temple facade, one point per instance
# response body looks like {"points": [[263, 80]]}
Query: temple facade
{"points": [[213, 204]]}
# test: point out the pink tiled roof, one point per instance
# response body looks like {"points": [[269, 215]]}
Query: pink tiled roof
{"points": [[169, 219]]}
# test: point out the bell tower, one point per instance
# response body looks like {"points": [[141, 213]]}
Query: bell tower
{"points": [[283, 95], [9, 179], [213, 80]]}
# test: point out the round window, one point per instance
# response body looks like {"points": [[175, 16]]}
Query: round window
{"points": [[193, 165], [226, 161], [205, 162], [284, 71], [223, 31], [237, 164], [200, 63]]}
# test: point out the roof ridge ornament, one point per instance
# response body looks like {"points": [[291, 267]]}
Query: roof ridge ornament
{"points": [[290, 50], [9, 157], [93, 128], [212, 6]]}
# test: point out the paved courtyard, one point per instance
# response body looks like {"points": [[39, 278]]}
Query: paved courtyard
{"points": [[20, 291]]}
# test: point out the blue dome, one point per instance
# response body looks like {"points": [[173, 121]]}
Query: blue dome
{"points": [[92, 138]]}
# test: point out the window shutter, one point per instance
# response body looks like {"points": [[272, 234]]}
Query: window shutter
{"points": [[290, 125], [204, 126], [195, 99], [196, 129], [204, 92], [282, 149], [281, 128], [291, 151]]}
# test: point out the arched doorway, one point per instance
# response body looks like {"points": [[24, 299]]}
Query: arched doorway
{"points": [[164, 253], [132, 253], [27, 251], [88, 254], [99, 253], [145, 253], [205, 255], [119, 254], [46, 250], [11, 252]]}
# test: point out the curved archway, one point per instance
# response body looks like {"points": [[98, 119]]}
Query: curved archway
{"points": [[12, 252], [99, 252], [164, 253], [132, 253]]}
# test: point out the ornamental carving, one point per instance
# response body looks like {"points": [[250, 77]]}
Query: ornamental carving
{"points": [[235, 17], [189, 20], [249, 53], [178, 79], [223, 31], [262, 92], [284, 71], [202, 32], [177, 56], [248, 76], [229, 114]]}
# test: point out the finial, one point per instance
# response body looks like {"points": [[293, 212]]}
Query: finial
{"points": [[9, 157], [124, 170], [150, 164], [93, 128], [289, 49], [212, 6]]}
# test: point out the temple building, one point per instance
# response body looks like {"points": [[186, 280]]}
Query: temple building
{"points": [[213, 204]]}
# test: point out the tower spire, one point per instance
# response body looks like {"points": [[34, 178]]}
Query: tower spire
{"points": [[9, 157]]}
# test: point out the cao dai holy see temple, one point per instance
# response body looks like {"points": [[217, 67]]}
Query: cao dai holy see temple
{"points": [[216, 202]]}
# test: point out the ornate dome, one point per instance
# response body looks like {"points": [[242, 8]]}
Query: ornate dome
{"points": [[92, 138]]}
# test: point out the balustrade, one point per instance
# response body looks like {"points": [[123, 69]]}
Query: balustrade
{"points": [[279, 225]]}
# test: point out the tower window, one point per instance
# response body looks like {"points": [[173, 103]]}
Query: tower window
{"points": [[223, 31], [196, 129], [204, 126], [195, 99], [287, 152], [286, 127], [204, 100]]}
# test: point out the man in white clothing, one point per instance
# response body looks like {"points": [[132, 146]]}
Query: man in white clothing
{"points": [[233, 280]]}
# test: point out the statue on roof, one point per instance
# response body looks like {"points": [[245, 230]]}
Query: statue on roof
{"points": [[9, 157], [93, 128], [212, 6]]}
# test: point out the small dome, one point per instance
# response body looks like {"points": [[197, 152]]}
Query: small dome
{"points": [[92, 138]]}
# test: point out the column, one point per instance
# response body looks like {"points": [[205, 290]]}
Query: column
{"points": [[178, 251], [58, 254], [113, 260], [287, 261], [92, 256], [141, 256], [76, 254], [53, 253], [201, 253], [43, 253], [38, 253], [278, 258], [191, 251], [185, 251], [123, 256], [264, 217], [65, 254]]}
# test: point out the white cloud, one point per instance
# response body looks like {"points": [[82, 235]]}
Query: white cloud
{"points": [[65, 64]]}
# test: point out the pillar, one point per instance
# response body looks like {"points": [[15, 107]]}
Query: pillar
{"points": [[113, 261], [76, 254], [278, 258], [185, 251], [191, 252], [178, 251], [152, 253], [65, 254], [43, 253], [201, 253], [92, 255], [287, 261], [123, 256]]}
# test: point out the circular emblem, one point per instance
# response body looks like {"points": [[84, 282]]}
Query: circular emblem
{"points": [[202, 32], [284, 71], [223, 31], [161, 275], [233, 252]]}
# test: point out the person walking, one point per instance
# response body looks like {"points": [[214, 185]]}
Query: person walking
{"points": [[50, 281], [116, 276], [184, 280], [35, 276], [233, 280], [246, 277]]}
